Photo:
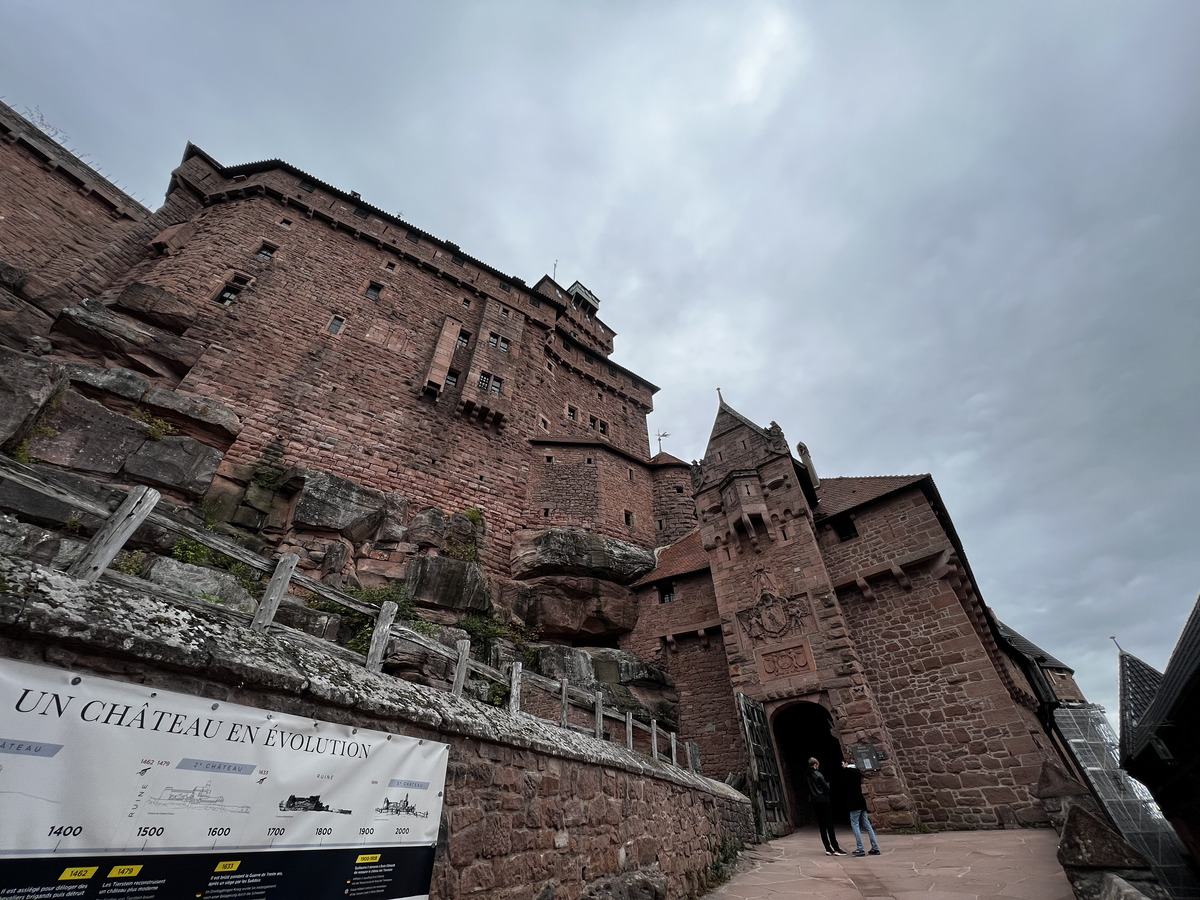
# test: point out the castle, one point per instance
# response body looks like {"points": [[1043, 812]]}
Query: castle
{"points": [[337, 382]]}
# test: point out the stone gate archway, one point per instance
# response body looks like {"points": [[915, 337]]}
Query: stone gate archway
{"points": [[801, 730]]}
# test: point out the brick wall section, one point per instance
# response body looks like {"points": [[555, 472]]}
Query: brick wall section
{"points": [[526, 805], [897, 526], [963, 743], [707, 712], [674, 508], [351, 404]]}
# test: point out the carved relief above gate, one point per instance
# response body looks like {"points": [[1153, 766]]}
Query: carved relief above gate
{"points": [[786, 661], [774, 618]]}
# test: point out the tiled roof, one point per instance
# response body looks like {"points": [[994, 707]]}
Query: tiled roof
{"points": [[684, 556], [1028, 648], [662, 458], [1139, 683], [1182, 673], [837, 495]]}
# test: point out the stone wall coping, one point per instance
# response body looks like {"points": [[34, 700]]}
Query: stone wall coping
{"points": [[40, 606]]}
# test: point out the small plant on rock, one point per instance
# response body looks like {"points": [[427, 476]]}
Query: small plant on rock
{"points": [[129, 562], [159, 428]]}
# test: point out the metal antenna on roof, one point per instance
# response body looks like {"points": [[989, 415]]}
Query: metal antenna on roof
{"points": [[719, 397], [1113, 638], [660, 436], [555, 275]]}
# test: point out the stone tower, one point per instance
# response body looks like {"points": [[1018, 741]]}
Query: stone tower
{"points": [[786, 639]]}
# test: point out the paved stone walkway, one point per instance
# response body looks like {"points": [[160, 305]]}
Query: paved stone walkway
{"points": [[956, 865]]}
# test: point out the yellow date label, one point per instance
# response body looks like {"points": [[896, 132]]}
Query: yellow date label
{"points": [[229, 865], [123, 871], [78, 874], [367, 858]]}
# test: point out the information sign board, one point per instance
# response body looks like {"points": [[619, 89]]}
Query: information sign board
{"points": [[115, 790]]}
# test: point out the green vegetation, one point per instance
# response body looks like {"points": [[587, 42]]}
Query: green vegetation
{"points": [[73, 524], [475, 515], [361, 626], [130, 562], [268, 470], [21, 452], [460, 551], [159, 428], [724, 856], [197, 554], [498, 694], [485, 630]]}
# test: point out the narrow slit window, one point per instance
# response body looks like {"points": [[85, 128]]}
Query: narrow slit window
{"points": [[628, 519]]}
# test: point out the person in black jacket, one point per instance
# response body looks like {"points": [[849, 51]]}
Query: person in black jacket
{"points": [[818, 794], [857, 804]]}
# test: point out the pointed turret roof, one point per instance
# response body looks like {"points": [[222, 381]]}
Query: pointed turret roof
{"points": [[1139, 684]]}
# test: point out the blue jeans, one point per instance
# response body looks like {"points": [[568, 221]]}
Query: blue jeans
{"points": [[858, 821]]}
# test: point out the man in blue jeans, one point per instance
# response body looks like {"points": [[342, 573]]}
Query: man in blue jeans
{"points": [[857, 804]]}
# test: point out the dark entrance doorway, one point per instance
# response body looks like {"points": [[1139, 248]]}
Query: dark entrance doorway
{"points": [[803, 730]]}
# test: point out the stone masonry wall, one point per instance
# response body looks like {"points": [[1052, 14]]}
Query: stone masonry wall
{"points": [[964, 745], [674, 508], [707, 711], [530, 810]]}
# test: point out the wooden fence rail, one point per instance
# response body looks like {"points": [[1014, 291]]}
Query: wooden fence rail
{"points": [[139, 507]]}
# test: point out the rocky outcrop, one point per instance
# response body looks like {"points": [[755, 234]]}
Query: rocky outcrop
{"points": [[119, 382], [182, 463], [330, 503], [569, 606], [26, 385], [565, 551], [185, 410], [445, 583], [82, 435], [628, 682], [157, 307], [1090, 851], [91, 331], [647, 883], [200, 581]]}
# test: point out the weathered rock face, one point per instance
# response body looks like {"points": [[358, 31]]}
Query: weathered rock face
{"points": [[182, 463], [93, 331], [47, 548], [26, 385], [156, 306], [648, 883], [565, 551], [180, 408], [330, 503], [81, 434], [568, 606], [427, 529], [22, 325], [199, 580], [119, 382], [448, 584], [395, 510], [559, 662], [627, 682]]}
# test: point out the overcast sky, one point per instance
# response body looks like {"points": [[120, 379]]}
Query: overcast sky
{"points": [[953, 238]]}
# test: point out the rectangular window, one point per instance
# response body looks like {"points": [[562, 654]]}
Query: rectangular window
{"points": [[534, 301], [373, 291], [485, 381], [493, 340], [845, 528], [592, 422], [503, 345], [457, 260], [543, 424], [603, 427], [285, 223], [466, 303], [307, 186], [362, 212], [389, 267], [666, 593], [628, 519], [335, 325], [496, 385], [631, 474], [549, 459], [572, 413], [228, 294], [412, 236], [464, 339], [451, 378], [504, 313], [504, 286], [266, 251]]}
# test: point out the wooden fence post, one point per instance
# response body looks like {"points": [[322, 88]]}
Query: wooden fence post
{"points": [[628, 730], [379, 637], [464, 662], [276, 588], [116, 530], [514, 689], [654, 738], [674, 760], [599, 715], [566, 704]]}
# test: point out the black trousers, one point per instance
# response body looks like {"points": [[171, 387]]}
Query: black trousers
{"points": [[825, 823]]}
